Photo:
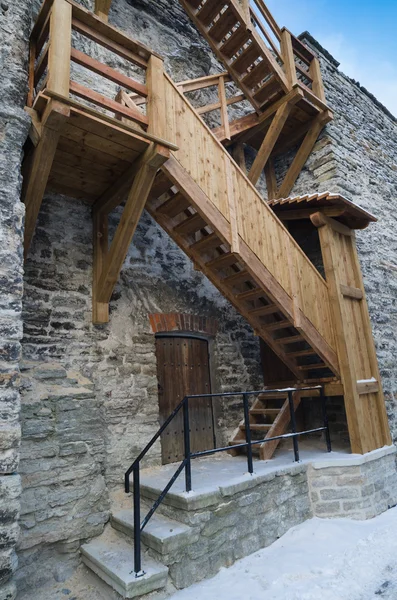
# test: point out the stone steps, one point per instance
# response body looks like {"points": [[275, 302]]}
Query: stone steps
{"points": [[161, 534], [111, 557]]}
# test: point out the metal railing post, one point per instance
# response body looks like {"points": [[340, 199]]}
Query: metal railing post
{"points": [[186, 436], [293, 425], [248, 434], [137, 523], [325, 419]]}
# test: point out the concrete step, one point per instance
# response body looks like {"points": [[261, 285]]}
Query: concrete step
{"points": [[111, 557], [161, 534]]}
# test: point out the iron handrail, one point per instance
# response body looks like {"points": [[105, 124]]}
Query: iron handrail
{"points": [[186, 462]]}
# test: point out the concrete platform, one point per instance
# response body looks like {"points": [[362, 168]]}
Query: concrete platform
{"points": [[222, 475]]}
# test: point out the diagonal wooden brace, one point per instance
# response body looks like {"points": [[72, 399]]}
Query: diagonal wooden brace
{"points": [[108, 262]]}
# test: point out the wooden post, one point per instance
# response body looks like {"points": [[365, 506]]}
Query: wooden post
{"points": [[287, 53], [100, 310], [32, 60], [235, 244], [224, 113], [156, 104], [365, 409], [60, 47], [271, 180], [317, 86], [102, 8]]}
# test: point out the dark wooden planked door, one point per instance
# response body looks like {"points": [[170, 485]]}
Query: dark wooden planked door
{"points": [[183, 369]]}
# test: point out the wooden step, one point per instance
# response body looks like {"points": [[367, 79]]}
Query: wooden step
{"points": [[314, 367], [246, 58], [290, 339], [160, 186], [174, 206], [277, 326], [251, 295], [262, 311], [194, 3], [209, 11], [240, 277], [224, 24], [273, 396], [256, 75], [235, 42], [257, 426], [222, 261], [270, 87], [265, 411], [298, 353], [190, 225], [210, 241]]}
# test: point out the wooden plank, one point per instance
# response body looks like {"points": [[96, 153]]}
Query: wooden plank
{"points": [[41, 66], [60, 47], [102, 8], [269, 142], [103, 40], [351, 292], [32, 61], [191, 85], [367, 387], [100, 310], [85, 154], [100, 100], [134, 206], [101, 69], [306, 213], [235, 244], [156, 106], [112, 34], [110, 120], [35, 179]]}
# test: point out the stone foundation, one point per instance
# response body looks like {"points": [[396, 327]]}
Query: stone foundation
{"points": [[360, 487]]}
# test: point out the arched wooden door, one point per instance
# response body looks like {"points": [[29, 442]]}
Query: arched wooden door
{"points": [[183, 369]]}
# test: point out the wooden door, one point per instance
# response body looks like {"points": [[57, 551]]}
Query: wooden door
{"points": [[183, 369]]}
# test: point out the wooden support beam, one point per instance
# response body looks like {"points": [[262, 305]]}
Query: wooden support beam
{"points": [[271, 181], [37, 169], [102, 8], [319, 219], [60, 47], [301, 158], [306, 213], [239, 157], [118, 191], [269, 141], [152, 160]]}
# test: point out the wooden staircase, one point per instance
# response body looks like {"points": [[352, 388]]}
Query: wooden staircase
{"points": [[269, 417], [255, 68], [196, 235]]}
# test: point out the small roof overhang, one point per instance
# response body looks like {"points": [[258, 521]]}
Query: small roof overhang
{"points": [[332, 205]]}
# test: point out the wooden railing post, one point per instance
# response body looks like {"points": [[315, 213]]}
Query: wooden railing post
{"points": [[60, 47], [287, 54], [317, 85], [156, 109]]}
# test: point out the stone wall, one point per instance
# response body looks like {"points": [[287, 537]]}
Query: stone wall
{"points": [[14, 31], [356, 488]]}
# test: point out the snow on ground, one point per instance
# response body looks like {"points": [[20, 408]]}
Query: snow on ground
{"points": [[320, 559]]}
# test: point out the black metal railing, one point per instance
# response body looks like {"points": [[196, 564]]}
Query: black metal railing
{"points": [[188, 455]]}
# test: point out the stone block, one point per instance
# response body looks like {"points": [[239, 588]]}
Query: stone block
{"points": [[340, 493], [325, 509]]}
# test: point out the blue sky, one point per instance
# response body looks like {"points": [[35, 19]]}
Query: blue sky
{"points": [[361, 35]]}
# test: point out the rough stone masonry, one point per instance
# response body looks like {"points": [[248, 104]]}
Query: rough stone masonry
{"points": [[93, 422]]}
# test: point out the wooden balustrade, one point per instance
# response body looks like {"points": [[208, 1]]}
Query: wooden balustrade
{"points": [[52, 54]]}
